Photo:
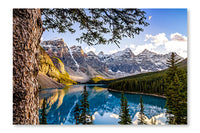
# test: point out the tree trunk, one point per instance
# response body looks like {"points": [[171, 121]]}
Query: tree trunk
{"points": [[27, 31]]}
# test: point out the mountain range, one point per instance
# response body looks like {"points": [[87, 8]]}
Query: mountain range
{"points": [[83, 66]]}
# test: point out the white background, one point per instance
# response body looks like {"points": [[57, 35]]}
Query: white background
{"points": [[6, 63]]}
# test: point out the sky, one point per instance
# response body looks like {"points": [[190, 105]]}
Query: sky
{"points": [[166, 33]]}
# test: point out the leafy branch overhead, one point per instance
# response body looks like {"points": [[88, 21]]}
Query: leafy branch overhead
{"points": [[96, 23]]}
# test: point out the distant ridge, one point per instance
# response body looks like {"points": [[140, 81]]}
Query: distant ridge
{"points": [[83, 66]]}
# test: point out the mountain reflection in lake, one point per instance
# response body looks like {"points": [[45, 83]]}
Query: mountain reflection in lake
{"points": [[104, 105]]}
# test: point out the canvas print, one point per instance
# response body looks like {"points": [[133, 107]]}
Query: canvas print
{"points": [[100, 66]]}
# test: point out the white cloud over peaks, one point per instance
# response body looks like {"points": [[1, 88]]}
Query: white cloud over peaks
{"points": [[139, 48], [162, 45], [90, 48], [113, 51], [178, 44], [157, 39], [178, 37]]}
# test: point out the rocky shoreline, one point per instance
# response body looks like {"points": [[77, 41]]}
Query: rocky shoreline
{"points": [[150, 94]]}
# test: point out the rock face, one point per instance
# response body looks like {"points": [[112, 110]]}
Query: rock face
{"points": [[46, 82], [122, 61], [54, 69], [77, 63], [27, 31], [126, 62], [57, 48], [88, 65]]}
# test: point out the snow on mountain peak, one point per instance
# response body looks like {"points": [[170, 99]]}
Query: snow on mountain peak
{"points": [[101, 53], [124, 53], [147, 52], [55, 45], [75, 48]]}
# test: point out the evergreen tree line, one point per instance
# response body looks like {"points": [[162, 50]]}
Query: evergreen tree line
{"points": [[172, 83], [125, 117], [176, 86], [148, 84], [82, 112]]}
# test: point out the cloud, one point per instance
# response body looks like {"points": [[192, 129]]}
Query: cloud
{"points": [[113, 51], [178, 37], [180, 47], [90, 48], [162, 45], [139, 48], [157, 39]]}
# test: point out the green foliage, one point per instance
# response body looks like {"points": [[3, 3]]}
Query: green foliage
{"points": [[96, 23], [77, 114], [147, 83], [124, 116], [152, 82], [176, 92], [171, 83], [141, 117], [82, 112], [43, 119]]}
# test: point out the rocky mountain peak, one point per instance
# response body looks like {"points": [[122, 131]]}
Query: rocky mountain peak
{"points": [[77, 49], [146, 51], [101, 53], [53, 42], [127, 50], [91, 53], [56, 45], [82, 66], [126, 53]]}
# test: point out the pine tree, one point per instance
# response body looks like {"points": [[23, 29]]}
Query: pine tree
{"points": [[77, 114], [121, 114], [176, 93], [85, 117], [43, 119], [95, 25], [141, 118], [172, 62], [124, 116], [127, 118]]}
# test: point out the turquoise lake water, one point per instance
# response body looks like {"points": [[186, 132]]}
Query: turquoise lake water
{"points": [[104, 105]]}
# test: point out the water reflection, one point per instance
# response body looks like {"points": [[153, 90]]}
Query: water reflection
{"points": [[104, 105]]}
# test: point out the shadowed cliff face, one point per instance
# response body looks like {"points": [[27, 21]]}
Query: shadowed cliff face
{"points": [[27, 31]]}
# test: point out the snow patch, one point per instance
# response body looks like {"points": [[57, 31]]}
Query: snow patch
{"points": [[76, 63], [143, 70]]}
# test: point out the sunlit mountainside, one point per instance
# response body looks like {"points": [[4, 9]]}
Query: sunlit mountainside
{"points": [[82, 66]]}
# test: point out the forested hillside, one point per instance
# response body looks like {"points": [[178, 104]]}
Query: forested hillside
{"points": [[152, 82]]}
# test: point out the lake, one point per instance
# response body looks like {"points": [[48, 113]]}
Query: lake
{"points": [[104, 105]]}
